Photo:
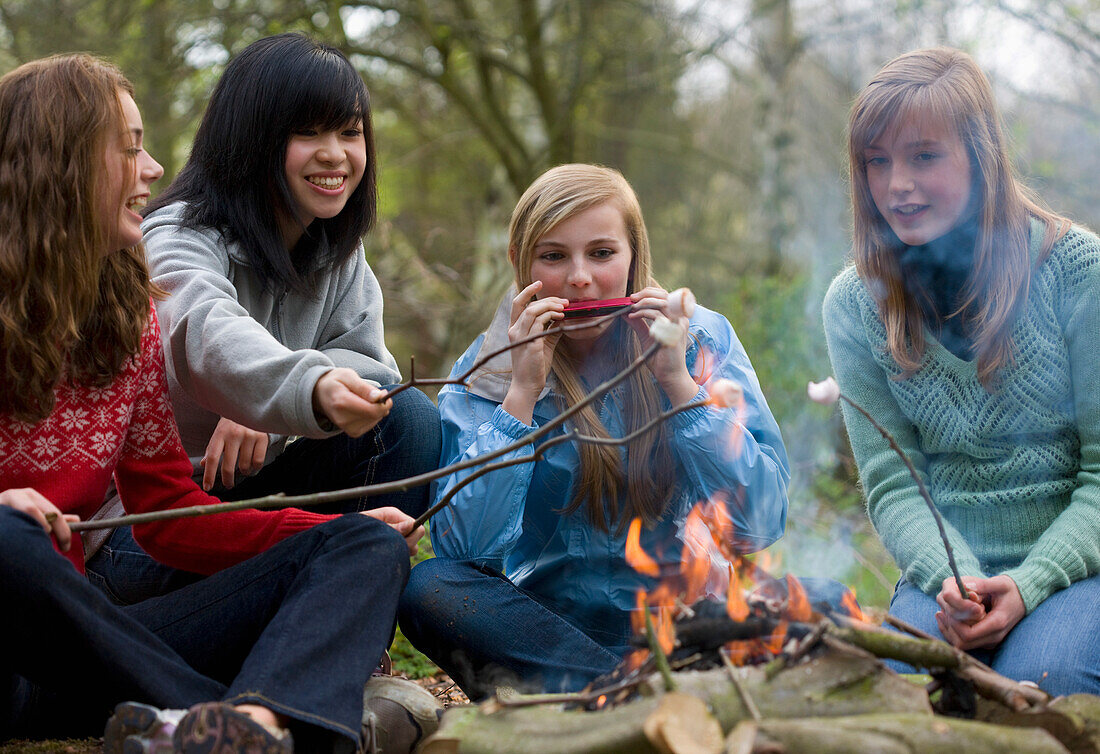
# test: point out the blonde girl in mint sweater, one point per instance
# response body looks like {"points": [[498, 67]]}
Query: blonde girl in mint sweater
{"points": [[969, 326]]}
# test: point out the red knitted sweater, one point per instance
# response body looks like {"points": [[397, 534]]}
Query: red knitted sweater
{"points": [[127, 429]]}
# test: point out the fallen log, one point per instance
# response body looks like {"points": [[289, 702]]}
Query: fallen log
{"points": [[1073, 720], [888, 734]]}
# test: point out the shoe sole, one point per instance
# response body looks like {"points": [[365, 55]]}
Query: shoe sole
{"points": [[129, 719], [217, 728]]}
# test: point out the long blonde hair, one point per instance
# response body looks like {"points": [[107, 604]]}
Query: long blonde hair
{"points": [[945, 86], [649, 481], [71, 308]]}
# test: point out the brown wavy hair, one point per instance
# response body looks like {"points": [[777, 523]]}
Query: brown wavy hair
{"points": [[649, 480], [72, 309], [945, 86]]}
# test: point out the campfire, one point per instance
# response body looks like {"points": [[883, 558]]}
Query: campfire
{"points": [[680, 625], [730, 658]]}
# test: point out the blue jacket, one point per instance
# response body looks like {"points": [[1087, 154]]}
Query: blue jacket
{"points": [[510, 520]]}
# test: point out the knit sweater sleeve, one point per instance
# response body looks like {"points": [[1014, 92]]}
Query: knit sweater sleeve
{"points": [[154, 473], [894, 504], [1069, 549]]}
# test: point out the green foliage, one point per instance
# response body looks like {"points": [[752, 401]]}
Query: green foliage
{"points": [[780, 330]]}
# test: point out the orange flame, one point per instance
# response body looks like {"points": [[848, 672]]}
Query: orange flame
{"points": [[601, 701], [848, 601], [774, 643], [709, 529], [741, 651], [695, 564], [634, 658], [736, 606], [664, 626], [798, 604], [636, 557]]}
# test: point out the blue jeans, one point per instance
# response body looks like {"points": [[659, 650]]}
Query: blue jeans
{"points": [[406, 442], [485, 631], [1057, 646], [297, 629]]}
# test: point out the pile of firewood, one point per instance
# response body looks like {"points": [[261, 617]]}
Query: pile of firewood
{"points": [[815, 685]]}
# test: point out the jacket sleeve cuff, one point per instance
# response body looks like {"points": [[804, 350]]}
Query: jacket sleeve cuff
{"points": [[685, 419], [509, 425]]}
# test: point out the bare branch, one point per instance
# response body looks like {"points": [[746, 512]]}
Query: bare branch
{"points": [[920, 488], [280, 500]]}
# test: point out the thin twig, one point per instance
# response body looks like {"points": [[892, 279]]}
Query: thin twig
{"points": [[908, 628], [580, 697], [920, 488], [808, 642], [746, 698]]}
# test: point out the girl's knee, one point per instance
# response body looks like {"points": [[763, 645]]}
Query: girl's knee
{"points": [[1057, 673], [20, 533], [433, 591], [426, 579], [363, 534]]}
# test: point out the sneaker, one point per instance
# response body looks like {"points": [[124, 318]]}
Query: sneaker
{"points": [[397, 715], [218, 728], [140, 729]]}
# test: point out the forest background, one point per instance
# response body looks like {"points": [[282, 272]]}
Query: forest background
{"points": [[726, 115]]}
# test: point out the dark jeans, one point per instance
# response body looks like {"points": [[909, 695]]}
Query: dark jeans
{"points": [[485, 631], [405, 443], [297, 629]]}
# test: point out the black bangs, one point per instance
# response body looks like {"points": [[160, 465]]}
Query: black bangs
{"points": [[324, 92]]}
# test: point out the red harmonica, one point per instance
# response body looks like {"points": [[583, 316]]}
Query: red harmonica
{"points": [[581, 309]]}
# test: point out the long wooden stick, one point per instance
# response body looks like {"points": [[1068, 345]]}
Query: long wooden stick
{"points": [[281, 500], [537, 454], [920, 488]]}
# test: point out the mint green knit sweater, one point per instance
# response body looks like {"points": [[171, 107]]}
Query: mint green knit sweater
{"points": [[1015, 472]]}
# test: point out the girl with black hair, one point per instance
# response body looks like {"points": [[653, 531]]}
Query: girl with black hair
{"points": [[273, 323]]}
